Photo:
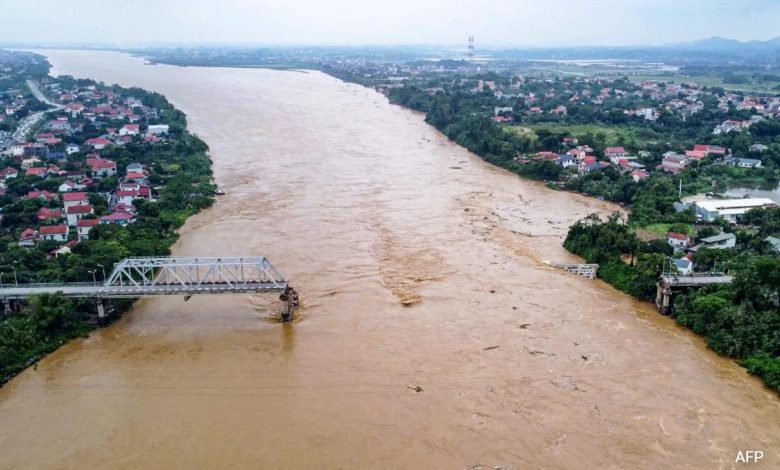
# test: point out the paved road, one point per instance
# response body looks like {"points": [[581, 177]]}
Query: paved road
{"points": [[30, 121]]}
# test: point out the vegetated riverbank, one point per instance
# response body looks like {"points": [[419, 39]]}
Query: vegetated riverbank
{"points": [[740, 320], [177, 171]]}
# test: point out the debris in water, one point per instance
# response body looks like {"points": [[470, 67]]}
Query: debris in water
{"points": [[416, 388], [536, 353], [491, 347]]}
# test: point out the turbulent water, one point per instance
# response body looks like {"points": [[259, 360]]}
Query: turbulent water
{"points": [[418, 265]]}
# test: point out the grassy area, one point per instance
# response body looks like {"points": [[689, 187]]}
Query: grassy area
{"points": [[663, 229], [768, 87], [614, 135]]}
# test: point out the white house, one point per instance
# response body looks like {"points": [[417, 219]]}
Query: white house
{"points": [[76, 213], [75, 199], [721, 240], [678, 241], [130, 129], [70, 149], [57, 233], [746, 162], [160, 129], [83, 226]]}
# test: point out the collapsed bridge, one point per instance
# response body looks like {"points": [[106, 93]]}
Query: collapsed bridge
{"points": [[186, 276]]}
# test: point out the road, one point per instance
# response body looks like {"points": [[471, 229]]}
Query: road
{"points": [[30, 121]]}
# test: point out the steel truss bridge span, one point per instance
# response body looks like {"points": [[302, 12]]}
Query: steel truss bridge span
{"points": [[186, 276]]}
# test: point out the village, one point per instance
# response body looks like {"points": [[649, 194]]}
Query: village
{"points": [[61, 171]]}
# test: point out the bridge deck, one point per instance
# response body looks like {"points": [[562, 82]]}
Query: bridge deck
{"points": [[695, 281], [101, 291], [141, 277]]}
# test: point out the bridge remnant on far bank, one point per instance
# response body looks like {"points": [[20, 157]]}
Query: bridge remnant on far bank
{"points": [[669, 284]]}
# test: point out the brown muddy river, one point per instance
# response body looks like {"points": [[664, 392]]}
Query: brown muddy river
{"points": [[365, 208]]}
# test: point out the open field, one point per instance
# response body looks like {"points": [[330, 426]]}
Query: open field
{"points": [[614, 135]]}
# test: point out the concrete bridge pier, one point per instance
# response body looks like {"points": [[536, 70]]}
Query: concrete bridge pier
{"points": [[104, 309], [663, 298]]}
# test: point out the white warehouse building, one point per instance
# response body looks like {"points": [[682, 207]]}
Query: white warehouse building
{"points": [[729, 209]]}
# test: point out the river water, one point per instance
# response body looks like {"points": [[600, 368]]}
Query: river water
{"points": [[417, 265]]}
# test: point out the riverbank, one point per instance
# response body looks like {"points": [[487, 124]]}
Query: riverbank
{"points": [[706, 312], [125, 213]]}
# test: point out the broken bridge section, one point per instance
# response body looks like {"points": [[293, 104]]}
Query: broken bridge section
{"points": [[186, 276], [585, 270]]}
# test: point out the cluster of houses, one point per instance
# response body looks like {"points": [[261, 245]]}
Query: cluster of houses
{"points": [[74, 215], [685, 99], [685, 245], [69, 214]]}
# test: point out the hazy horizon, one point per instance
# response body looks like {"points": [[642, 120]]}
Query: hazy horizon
{"points": [[500, 23]]}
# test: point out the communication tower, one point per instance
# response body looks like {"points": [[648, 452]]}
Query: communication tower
{"points": [[471, 47]]}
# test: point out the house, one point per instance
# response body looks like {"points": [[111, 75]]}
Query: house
{"points": [[745, 162], [83, 226], [70, 149], [99, 143], [570, 141], [75, 199], [711, 149], [674, 163], [101, 168], [67, 186], [678, 241], [696, 154], [75, 213], [45, 195], [639, 175], [49, 215], [560, 110], [135, 168], [565, 160], [56, 233], [118, 218], [684, 266], [611, 152], [27, 238], [65, 249], [36, 171], [721, 240], [161, 129], [7, 173], [130, 129], [758, 148], [774, 242]]}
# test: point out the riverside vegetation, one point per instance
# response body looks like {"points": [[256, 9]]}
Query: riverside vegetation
{"points": [[179, 171], [740, 320]]}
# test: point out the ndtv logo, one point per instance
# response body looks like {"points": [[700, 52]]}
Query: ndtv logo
{"points": [[748, 456]]}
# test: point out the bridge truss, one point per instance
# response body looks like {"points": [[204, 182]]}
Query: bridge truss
{"points": [[187, 276]]}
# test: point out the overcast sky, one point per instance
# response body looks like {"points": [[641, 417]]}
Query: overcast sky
{"points": [[358, 22]]}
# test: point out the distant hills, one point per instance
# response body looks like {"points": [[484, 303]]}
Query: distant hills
{"points": [[724, 45]]}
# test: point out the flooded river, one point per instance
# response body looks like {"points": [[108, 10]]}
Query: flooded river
{"points": [[418, 265]]}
